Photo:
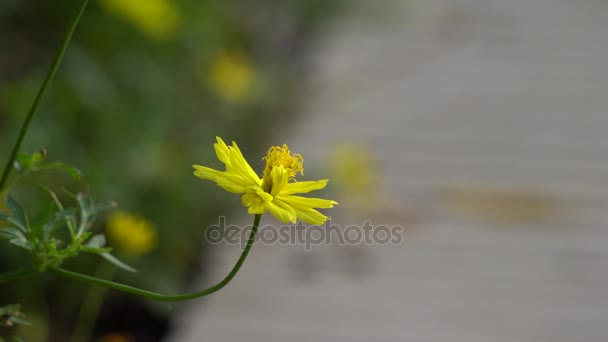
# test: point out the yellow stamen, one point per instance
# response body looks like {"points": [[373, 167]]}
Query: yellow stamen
{"points": [[281, 156]]}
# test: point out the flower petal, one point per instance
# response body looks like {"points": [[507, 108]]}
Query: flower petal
{"points": [[253, 202], [222, 151], [311, 216], [306, 202], [304, 187], [240, 166], [279, 176], [282, 211], [227, 181]]}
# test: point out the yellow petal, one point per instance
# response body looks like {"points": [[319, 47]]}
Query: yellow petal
{"points": [[263, 194], [221, 150], [282, 211], [306, 202], [227, 181], [257, 208], [240, 165], [311, 216], [304, 187], [280, 177], [255, 200]]}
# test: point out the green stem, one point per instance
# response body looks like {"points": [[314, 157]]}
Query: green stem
{"points": [[15, 275], [49, 76], [162, 297]]}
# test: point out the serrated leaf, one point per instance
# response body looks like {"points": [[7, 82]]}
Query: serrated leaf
{"points": [[18, 216], [69, 219], [17, 224], [113, 260], [9, 233], [20, 321], [7, 309], [21, 243], [11, 315], [58, 219], [97, 241]]}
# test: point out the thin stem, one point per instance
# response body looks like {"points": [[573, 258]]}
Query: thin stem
{"points": [[49, 77], [15, 275], [162, 297]]}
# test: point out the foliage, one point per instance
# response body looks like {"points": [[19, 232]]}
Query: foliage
{"points": [[131, 106]]}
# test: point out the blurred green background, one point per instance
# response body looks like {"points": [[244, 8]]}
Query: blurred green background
{"points": [[143, 90]]}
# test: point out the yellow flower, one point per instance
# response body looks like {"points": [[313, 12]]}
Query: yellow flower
{"points": [[131, 233], [275, 191], [231, 76], [353, 166], [158, 19]]}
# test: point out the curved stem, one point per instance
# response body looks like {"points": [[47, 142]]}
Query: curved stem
{"points": [[162, 297], [45, 83], [15, 275]]}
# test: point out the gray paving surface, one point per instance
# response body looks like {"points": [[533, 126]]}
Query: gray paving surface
{"points": [[471, 107]]}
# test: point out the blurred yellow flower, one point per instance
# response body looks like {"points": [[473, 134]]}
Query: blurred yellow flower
{"points": [[231, 76], [131, 233], [158, 19], [352, 166], [275, 191]]}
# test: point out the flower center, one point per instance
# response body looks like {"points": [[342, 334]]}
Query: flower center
{"points": [[281, 156]]}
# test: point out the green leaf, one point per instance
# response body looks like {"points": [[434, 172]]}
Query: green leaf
{"points": [[103, 206], [11, 315], [70, 220], [85, 203], [20, 321], [85, 236], [10, 233], [74, 172], [96, 250], [38, 156], [23, 162], [97, 241], [19, 218], [54, 197], [57, 220], [17, 224], [113, 260], [21, 243], [35, 162]]}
